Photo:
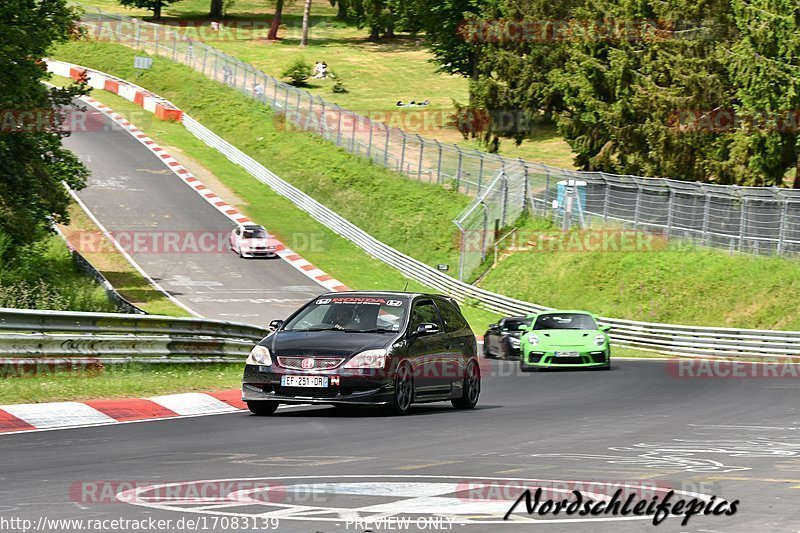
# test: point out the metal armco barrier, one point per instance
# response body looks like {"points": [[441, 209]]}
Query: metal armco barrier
{"points": [[664, 338], [109, 337]]}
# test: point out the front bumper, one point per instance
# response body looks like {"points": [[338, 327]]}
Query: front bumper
{"points": [[259, 253], [361, 387], [548, 359]]}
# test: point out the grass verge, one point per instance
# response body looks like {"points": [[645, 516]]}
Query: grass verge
{"points": [[42, 275], [120, 381], [677, 284], [116, 269]]}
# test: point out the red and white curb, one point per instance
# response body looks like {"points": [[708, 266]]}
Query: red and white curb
{"points": [[64, 415], [151, 102]]}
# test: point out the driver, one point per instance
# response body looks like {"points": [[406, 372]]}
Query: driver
{"points": [[341, 317]]}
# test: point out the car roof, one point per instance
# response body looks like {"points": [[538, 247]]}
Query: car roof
{"points": [[253, 226], [393, 294], [563, 311]]}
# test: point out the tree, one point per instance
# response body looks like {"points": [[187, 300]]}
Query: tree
{"points": [[217, 9], [306, 17], [151, 5], [765, 66], [342, 8], [276, 18], [33, 163]]}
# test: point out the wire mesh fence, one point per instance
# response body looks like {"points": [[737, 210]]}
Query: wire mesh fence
{"points": [[745, 219]]}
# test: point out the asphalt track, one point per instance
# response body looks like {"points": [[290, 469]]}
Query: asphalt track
{"points": [[132, 193], [637, 424], [641, 424]]}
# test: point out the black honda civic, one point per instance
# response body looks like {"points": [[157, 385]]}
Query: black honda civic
{"points": [[355, 348]]}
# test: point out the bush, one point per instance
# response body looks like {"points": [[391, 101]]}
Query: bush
{"points": [[298, 72], [338, 84]]}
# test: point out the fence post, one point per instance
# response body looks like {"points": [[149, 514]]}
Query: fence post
{"points": [[421, 150], [504, 208], [174, 46], [369, 145], [706, 210], [637, 204], [480, 175], [205, 59], [743, 223], [275, 95], [339, 126], [386, 148], [403, 153], [439, 162], [353, 145], [606, 196], [670, 209], [782, 227], [547, 191], [458, 169], [525, 185], [485, 231], [235, 72]]}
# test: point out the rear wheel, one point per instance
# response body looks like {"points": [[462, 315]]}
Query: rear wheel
{"points": [[403, 391], [471, 389], [262, 408]]}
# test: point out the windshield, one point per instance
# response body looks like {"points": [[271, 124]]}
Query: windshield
{"points": [[351, 314], [513, 324], [565, 321], [254, 234]]}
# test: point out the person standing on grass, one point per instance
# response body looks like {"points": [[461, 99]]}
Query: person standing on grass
{"points": [[258, 90]]}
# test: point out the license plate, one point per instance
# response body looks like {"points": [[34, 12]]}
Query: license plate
{"points": [[568, 354], [318, 382]]}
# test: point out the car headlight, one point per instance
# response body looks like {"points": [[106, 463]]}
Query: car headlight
{"points": [[259, 356], [533, 339], [514, 341], [368, 359], [599, 339]]}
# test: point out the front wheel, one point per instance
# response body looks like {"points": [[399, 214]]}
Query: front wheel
{"points": [[403, 391], [262, 408], [471, 388]]}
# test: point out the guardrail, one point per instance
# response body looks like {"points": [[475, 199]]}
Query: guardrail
{"points": [[27, 335], [665, 338]]}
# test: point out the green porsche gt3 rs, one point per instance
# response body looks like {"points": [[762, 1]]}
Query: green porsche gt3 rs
{"points": [[564, 339]]}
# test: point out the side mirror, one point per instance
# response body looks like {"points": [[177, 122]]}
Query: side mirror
{"points": [[605, 328], [491, 326], [275, 325], [523, 327], [427, 328]]}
